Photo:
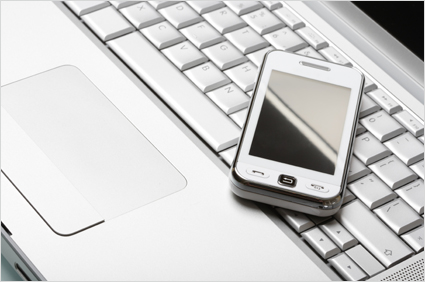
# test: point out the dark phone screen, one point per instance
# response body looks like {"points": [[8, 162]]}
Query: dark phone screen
{"points": [[301, 122]]}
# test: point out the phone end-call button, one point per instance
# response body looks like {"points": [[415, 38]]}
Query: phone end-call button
{"points": [[287, 180], [317, 187]]}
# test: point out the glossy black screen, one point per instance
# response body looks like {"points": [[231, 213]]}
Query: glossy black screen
{"points": [[301, 122]]}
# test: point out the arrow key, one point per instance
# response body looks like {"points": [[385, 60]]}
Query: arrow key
{"points": [[297, 220], [321, 243], [347, 268], [339, 234]]}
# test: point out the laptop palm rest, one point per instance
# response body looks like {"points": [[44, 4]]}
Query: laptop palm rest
{"points": [[74, 156]]}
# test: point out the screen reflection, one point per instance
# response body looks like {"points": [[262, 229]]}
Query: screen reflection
{"points": [[301, 122]]}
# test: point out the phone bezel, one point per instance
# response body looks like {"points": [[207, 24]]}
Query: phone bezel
{"points": [[330, 73]]}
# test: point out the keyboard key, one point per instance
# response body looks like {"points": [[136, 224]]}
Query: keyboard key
{"points": [[142, 15], [258, 57], [369, 85], [162, 4], [418, 168], [297, 220], [184, 55], [368, 107], [310, 52], [393, 172], [229, 98], [202, 35], [205, 118], [243, 7], [312, 38], [348, 196], [243, 75], [368, 149], [415, 239], [413, 193], [399, 216], [356, 170], [108, 23], [360, 129], [203, 7], [410, 122], [347, 268], [263, 21], [318, 219], [224, 20], [239, 117], [372, 233], [272, 5], [82, 8], [228, 155], [225, 55], [421, 139], [181, 15], [163, 35], [321, 243], [372, 191], [339, 235], [289, 18], [123, 4], [207, 77], [334, 56], [365, 260], [407, 148], [385, 101], [285, 39], [382, 126], [247, 40]]}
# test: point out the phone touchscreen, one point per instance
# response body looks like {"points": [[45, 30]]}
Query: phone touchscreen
{"points": [[301, 122]]}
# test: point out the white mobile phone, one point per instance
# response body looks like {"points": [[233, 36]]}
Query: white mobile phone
{"points": [[296, 144]]}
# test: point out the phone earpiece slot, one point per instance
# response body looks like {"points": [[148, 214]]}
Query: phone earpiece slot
{"points": [[315, 66]]}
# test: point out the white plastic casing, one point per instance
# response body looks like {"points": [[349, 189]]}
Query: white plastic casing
{"points": [[310, 185]]}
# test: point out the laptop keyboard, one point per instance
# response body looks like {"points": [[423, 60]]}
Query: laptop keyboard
{"points": [[201, 58]]}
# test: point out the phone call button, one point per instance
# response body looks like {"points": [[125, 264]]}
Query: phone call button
{"points": [[258, 173]]}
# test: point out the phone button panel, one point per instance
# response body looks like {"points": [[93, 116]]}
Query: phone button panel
{"points": [[287, 180], [257, 173], [317, 187]]}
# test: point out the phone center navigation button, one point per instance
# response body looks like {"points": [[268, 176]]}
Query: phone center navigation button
{"points": [[287, 180], [257, 172], [317, 187]]}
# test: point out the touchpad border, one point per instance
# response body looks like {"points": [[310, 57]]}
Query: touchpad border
{"points": [[73, 141]]}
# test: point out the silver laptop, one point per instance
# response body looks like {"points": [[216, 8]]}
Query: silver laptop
{"points": [[120, 120]]}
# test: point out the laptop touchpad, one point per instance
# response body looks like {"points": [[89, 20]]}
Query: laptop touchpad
{"points": [[74, 156]]}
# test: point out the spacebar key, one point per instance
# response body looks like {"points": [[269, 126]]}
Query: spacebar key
{"points": [[372, 233], [177, 90]]}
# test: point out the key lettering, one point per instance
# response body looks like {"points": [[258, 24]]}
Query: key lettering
{"points": [[223, 12], [229, 89], [205, 68], [223, 47], [246, 68], [179, 7], [161, 27]]}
